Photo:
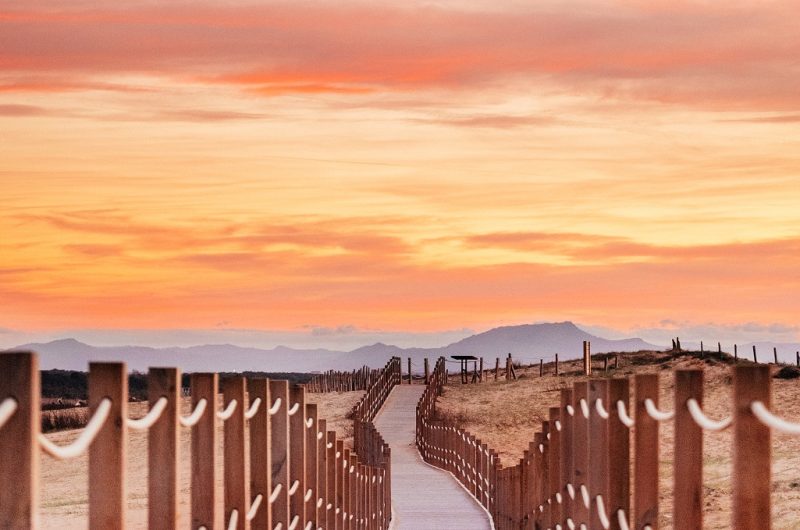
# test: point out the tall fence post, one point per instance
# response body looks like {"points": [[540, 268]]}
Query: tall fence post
{"points": [[598, 451], [204, 451], [260, 457], [427, 371], [297, 455], [646, 441], [19, 444], [312, 468], [107, 477], [567, 470], [410, 378], [322, 463], [554, 466], [580, 451], [755, 356], [235, 486], [279, 431], [619, 453], [688, 464], [751, 450], [497, 368], [162, 449]]}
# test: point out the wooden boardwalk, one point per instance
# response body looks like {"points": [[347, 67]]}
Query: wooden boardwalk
{"points": [[423, 497]]}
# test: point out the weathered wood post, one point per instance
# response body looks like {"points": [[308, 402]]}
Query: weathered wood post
{"points": [[645, 470], [312, 467], [235, 486], [755, 356], [566, 469], [541, 367], [598, 451], [481, 372], [279, 429], [554, 465], [701, 350], [260, 461], [410, 380], [719, 349], [619, 453], [204, 451], [797, 357], [322, 464], [688, 463], [775, 354], [107, 477], [427, 371], [508, 367], [162, 449], [556, 365], [751, 450], [19, 444], [580, 452], [735, 353], [497, 368], [587, 358], [605, 364]]}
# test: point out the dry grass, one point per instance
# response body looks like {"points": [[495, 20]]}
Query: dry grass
{"points": [[64, 500], [507, 414]]}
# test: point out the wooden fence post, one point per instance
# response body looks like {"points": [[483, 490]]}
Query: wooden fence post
{"points": [[752, 447], [598, 451], [755, 356], [19, 443], [204, 451], [330, 507], [541, 367], [497, 368], [775, 354], [427, 371], [279, 432], [260, 461], [619, 459], [410, 379], [735, 353], [163, 449], [235, 490], [297, 455], [556, 365], [646, 447], [107, 503], [566, 469], [688, 464], [312, 467], [481, 372], [554, 466], [580, 452]]}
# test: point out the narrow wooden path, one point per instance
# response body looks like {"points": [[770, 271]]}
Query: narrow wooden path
{"points": [[423, 497]]}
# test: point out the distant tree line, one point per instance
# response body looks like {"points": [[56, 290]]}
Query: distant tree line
{"points": [[73, 385]]}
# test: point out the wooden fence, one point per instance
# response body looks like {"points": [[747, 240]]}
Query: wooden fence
{"points": [[337, 381], [577, 469], [300, 475]]}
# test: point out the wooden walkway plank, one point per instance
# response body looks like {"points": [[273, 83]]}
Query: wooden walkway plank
{"points": [[423, 497]]}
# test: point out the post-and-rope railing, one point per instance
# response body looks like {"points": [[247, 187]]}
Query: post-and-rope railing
{"points": [[577, 470], [301, 477]]}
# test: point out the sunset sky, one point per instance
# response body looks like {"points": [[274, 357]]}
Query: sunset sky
{"points": [[305, 171]]}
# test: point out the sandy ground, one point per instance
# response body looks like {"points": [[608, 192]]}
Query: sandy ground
{"points": [[506, 415], [64, 493]]}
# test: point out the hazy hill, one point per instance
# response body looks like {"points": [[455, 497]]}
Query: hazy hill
{"points": [[526, 343]]}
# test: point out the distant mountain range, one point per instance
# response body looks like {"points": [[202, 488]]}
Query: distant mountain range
{"points": [[526, 343]]}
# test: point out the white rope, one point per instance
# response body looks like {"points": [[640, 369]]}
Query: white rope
{"points": [[570, 523], [251, 412], [7, 409], [585, 408], [274, 408], [585, 495], [601, 512], [704, 421], [571, 490], [275, 492], [228, 412], [150, 418], [293, 487], [570, 410], [558, 425], [87, 436], [192, 419], [278, 526], [233, 520], [622, 412], [309, 422], [329, 445], [770, 420], [309, 493], [309, 525], [623, 520], [656, 414], [254, 507], [319, 435], [293, 411], [601, 411], [319, 502]]}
